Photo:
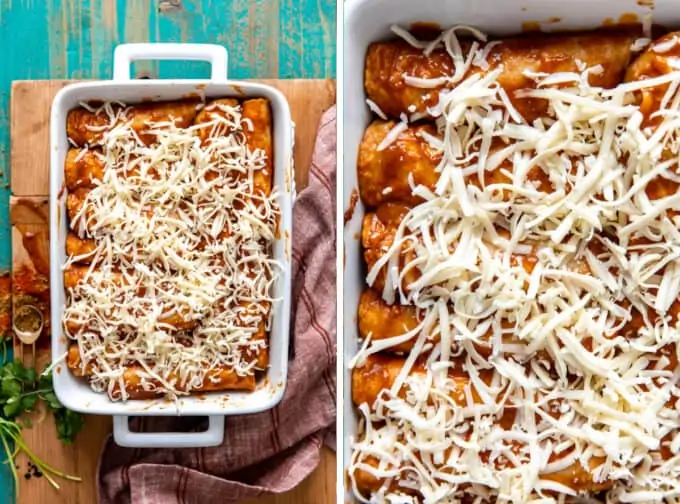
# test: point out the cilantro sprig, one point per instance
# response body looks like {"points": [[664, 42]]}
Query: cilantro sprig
{"points": [[21, 390]]}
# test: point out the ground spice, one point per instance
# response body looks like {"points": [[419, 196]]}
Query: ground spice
{"points": [[32, 288], [27, 319]]}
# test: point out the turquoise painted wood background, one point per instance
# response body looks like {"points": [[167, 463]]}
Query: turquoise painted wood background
{"points": [[53, 39]]}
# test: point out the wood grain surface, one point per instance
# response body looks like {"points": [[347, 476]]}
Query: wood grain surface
{"points": [[30, 232]]}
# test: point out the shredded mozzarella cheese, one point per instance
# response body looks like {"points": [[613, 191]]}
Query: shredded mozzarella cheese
{"points": [[181, 278], [557, 290]]}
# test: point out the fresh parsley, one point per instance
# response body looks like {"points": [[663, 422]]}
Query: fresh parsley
{"points": [[21, 389]]}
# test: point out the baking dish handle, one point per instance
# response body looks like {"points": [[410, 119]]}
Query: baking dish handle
{"points": [[125, 54], [123, 436]]}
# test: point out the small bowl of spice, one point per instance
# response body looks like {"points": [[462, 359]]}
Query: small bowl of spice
{"points": [[27, 323]]}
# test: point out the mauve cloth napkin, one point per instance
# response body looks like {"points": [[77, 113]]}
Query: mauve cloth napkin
{"points": [[269, 452]]}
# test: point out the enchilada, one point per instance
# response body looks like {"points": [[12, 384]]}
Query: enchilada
{"points": [[87, 126], [388, 62], [255, 130], [384, 174], [130, 380], [389, 173]]}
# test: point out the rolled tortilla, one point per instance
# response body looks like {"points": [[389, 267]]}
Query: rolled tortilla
{"points": [[388, 62]]}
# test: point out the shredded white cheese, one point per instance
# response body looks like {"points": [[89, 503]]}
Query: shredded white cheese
{"points": [[180, 281], [555, 289]]}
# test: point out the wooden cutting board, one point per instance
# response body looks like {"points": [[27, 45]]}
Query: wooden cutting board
{"points": [[29, 215]]}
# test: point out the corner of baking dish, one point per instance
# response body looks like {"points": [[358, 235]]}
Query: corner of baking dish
{"points": [[77, 395]]}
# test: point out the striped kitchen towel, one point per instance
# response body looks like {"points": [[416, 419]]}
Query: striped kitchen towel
{"points": [[270, 452]]}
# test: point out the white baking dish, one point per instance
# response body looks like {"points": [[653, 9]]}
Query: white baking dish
{"points": [[368, 21], [74, 393]]}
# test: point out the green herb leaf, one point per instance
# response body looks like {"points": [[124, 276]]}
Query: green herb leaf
{"points": [[9, 387], [28, 401], [12, 410], [69, 424], [31, 375], [45, 381], [20, 390], [51, 399]]}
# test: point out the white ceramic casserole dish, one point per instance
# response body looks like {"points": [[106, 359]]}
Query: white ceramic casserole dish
{"points": [[367, 21], [75, 393]]}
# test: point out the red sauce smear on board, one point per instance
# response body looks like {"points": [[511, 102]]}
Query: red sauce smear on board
{"points": [[353, 198], [5, 304]]}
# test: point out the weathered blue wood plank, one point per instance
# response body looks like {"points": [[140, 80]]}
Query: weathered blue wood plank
{"points": [[57, 39], [306, 38]]}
